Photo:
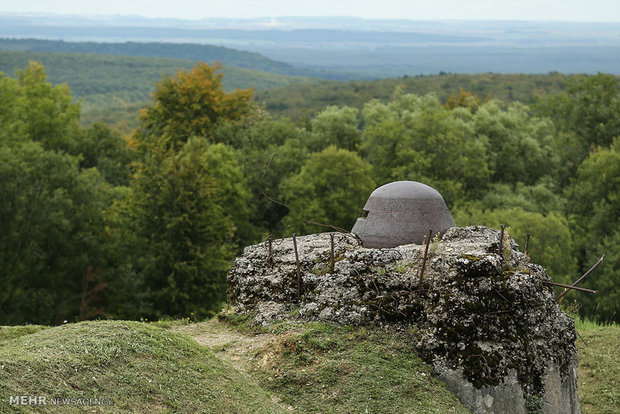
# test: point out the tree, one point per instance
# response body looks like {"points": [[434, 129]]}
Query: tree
{"points": [[190, 104], [521, 148], [587, 113], [464, 100], [540, 198], [102, 148], [416, 138], [595, 214], [52, 247], [183, 210], [590, 106], [33, 109], [335, 126], [256, 143], [331, 188], [551, 244], [188, 198]]}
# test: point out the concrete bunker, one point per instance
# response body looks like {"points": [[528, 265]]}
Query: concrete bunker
{"points": [[402, 212]]}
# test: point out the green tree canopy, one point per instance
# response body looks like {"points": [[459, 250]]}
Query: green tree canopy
{"points": [[551, 244], [105, 149], [184, 210], [587, 113], [190, 104], [595, 213], [521, 148], [32, 109], [335, 126], [189, 200], [331, 188], [416, 138], [52, 245]]}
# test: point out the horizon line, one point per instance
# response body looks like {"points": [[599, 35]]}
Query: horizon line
{"points": [[385, 19]]}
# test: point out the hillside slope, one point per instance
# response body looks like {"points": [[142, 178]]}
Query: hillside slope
{"points": [[133, 366], [114, 88], [301, 368], [185, 51], [143, 368], [321, 368]]}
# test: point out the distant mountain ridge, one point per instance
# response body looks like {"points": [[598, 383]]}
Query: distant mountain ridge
{"points": [[114, 88], [186, 51], [338, 48]]}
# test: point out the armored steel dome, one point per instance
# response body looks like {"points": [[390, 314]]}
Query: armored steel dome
{"points": [[402, 212]]}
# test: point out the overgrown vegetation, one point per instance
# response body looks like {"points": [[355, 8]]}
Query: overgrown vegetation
{"points": [[145, 226], [304, 100], [599, 371], [114, 88], [130, 366], [316, 367], [306, 368]]}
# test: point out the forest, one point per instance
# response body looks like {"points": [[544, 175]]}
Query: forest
{"points": [[143, 225]]}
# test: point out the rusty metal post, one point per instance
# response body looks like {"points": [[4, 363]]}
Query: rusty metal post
{"points": [[331, 256], [575, 283], [569, 287], [527, 243], [298, 267], [428, 243], [270, 252], [501, 243]]}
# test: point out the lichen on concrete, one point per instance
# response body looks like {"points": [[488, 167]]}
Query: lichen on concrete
{"points": [[483, 318]]}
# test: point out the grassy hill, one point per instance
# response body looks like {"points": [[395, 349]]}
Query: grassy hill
{"points": [[224, 366], [114, 88], [140, 368]]}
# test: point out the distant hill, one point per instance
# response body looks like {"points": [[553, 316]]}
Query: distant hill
{"points": [[186, 51], [114, 88], [344, 48]]}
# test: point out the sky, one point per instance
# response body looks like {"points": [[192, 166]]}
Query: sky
{"points": [[555, 10]]}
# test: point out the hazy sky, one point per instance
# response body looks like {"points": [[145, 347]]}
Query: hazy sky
{"points": [[568, 10]]}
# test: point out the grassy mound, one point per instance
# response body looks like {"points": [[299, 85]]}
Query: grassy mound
{"points": [[140, 368], [303, 368], [321, 368]]}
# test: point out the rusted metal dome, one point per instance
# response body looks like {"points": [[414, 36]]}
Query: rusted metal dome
{"points": [[402, 212]]}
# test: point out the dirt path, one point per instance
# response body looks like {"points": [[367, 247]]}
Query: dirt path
{"points": [[240, 350], [243, 352]]}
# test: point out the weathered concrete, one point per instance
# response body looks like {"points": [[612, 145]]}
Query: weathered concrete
{"points": [[400, 213], [506, 397], [484, 320]]}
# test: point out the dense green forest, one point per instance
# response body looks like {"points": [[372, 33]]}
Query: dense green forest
{"points": [[113, 89], [304, 100], [96, 225]]}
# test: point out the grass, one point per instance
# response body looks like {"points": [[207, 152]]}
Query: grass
{"points": [[599, 368], [286, 367], [139, 367], [12, 332], [318, 368]]}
